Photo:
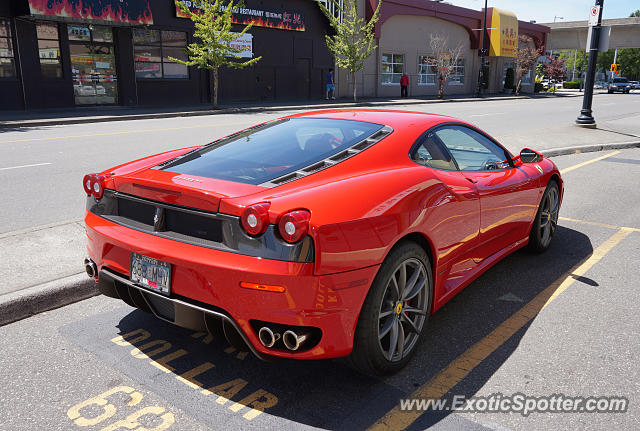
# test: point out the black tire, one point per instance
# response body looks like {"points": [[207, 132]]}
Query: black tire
{"points": [[609, 91], [546, 221], [372, 353]]}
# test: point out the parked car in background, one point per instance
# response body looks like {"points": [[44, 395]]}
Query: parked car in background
{"points": [[619, 84], [600, 84], [635, 85]]}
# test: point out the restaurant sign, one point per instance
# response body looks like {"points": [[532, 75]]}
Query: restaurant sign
{"points": [[504, 34], [279, 19], [130, 11]]}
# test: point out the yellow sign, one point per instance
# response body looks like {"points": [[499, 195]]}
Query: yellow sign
{"points": [[504, 33]]}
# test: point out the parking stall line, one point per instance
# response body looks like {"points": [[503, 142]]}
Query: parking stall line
{"points": [[463, 365], [124, 132], [588, 162], [595, 223]]}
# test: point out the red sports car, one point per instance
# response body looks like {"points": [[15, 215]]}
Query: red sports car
{"points": [[325, 234]]}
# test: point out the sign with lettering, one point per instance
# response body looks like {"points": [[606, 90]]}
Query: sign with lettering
{"points": [[279, 19], [504, 34]]}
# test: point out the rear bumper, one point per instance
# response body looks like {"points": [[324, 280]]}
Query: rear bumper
{"points": [[206, 284]]}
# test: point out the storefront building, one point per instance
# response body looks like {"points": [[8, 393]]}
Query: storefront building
{"points": [[403, 34], [72, 53]]}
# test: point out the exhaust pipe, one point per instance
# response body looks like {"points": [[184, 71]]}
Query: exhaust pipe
{"points": [[292, 340], [91, 268], [267, 337]]}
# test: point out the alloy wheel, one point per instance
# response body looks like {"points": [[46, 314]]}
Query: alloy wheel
{"points": [[403, 309]]}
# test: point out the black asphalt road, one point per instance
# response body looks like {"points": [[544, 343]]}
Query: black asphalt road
{"points": [[100, 365]]}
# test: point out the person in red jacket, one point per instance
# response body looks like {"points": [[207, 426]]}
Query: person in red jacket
{"points": [[404, 84]]}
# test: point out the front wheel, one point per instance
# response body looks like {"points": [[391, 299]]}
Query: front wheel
{"points": [[394, 313], [546, 221]]}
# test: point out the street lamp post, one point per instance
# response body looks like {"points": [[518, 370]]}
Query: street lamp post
{"points": [[482, 52], [586, 117]]}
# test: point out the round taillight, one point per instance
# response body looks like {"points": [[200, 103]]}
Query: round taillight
{"points": [[294, 225], [86, 183], [94, 184], [255, 219]]}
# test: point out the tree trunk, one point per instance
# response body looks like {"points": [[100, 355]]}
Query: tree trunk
{"points": [[518, 85], [215, 88], [354, 87]]}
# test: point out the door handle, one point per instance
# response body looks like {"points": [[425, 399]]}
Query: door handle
{"points": [[471, 180]]}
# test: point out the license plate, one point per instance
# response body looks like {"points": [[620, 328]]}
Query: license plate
{"points": [[151, 273]]}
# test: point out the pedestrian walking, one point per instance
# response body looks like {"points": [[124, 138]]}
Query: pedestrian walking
{"points": [[404, 85], [331, 88]]}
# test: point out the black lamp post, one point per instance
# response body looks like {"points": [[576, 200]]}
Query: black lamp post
{"points": [[482, 53], [586, 117]]}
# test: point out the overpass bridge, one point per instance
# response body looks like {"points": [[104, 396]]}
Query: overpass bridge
{"points": [[625, 33]]}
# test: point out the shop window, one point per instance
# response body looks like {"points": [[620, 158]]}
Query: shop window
{"points": [[392, 68], [7, 62], [457, 74], [526, 78], [152, 49], [49, 50], [427, 70]]}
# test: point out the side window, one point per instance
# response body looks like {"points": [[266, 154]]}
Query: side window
{"points": [[431, 154], [471, 150]]}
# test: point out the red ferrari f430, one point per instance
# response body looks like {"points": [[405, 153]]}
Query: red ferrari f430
{"points": [[319, 235]]}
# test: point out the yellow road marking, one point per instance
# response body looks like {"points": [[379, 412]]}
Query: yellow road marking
{"points": [[595, 223], [588, 162], [459, 368], [124, 132]]}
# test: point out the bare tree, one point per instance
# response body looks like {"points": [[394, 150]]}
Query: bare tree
{"points": [[526, 58], [447, 59]]}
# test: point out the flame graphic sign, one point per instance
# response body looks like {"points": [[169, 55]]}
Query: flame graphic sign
{"points": [[281, 19], [129, 11]]}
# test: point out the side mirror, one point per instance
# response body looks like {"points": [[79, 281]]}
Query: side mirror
{"points": [[527, 155]]}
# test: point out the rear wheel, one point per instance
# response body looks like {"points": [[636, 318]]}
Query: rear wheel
{"points": [[546, 221], [394, 313]]}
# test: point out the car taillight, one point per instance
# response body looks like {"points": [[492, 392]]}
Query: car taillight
{"points": [[294, 225], [255, 219], [94, 184]]}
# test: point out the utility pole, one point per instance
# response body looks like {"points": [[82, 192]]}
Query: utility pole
{"points": [[586, 118], [482, 52]]}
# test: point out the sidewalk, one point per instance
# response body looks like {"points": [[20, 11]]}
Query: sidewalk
{"points": [[50, 117]]}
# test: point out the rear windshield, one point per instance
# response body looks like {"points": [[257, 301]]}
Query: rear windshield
{"points": [[620, 80], [266, 152]]}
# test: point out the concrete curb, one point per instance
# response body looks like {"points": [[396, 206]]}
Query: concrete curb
{"points": [[196, 113], [590, 148], [25, 303]]}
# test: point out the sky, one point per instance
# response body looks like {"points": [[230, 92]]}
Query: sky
{"points": [[546, 10]]}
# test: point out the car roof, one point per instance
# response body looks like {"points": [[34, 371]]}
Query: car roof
{"points": [[395, 119]]}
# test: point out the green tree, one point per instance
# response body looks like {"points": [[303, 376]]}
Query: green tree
{"points": [[353, 41], [213, 48], [635, 14]]}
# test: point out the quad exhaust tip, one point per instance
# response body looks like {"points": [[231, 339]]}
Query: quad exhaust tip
{"points": [[267, 337], [91, 268], [292, 340]]}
